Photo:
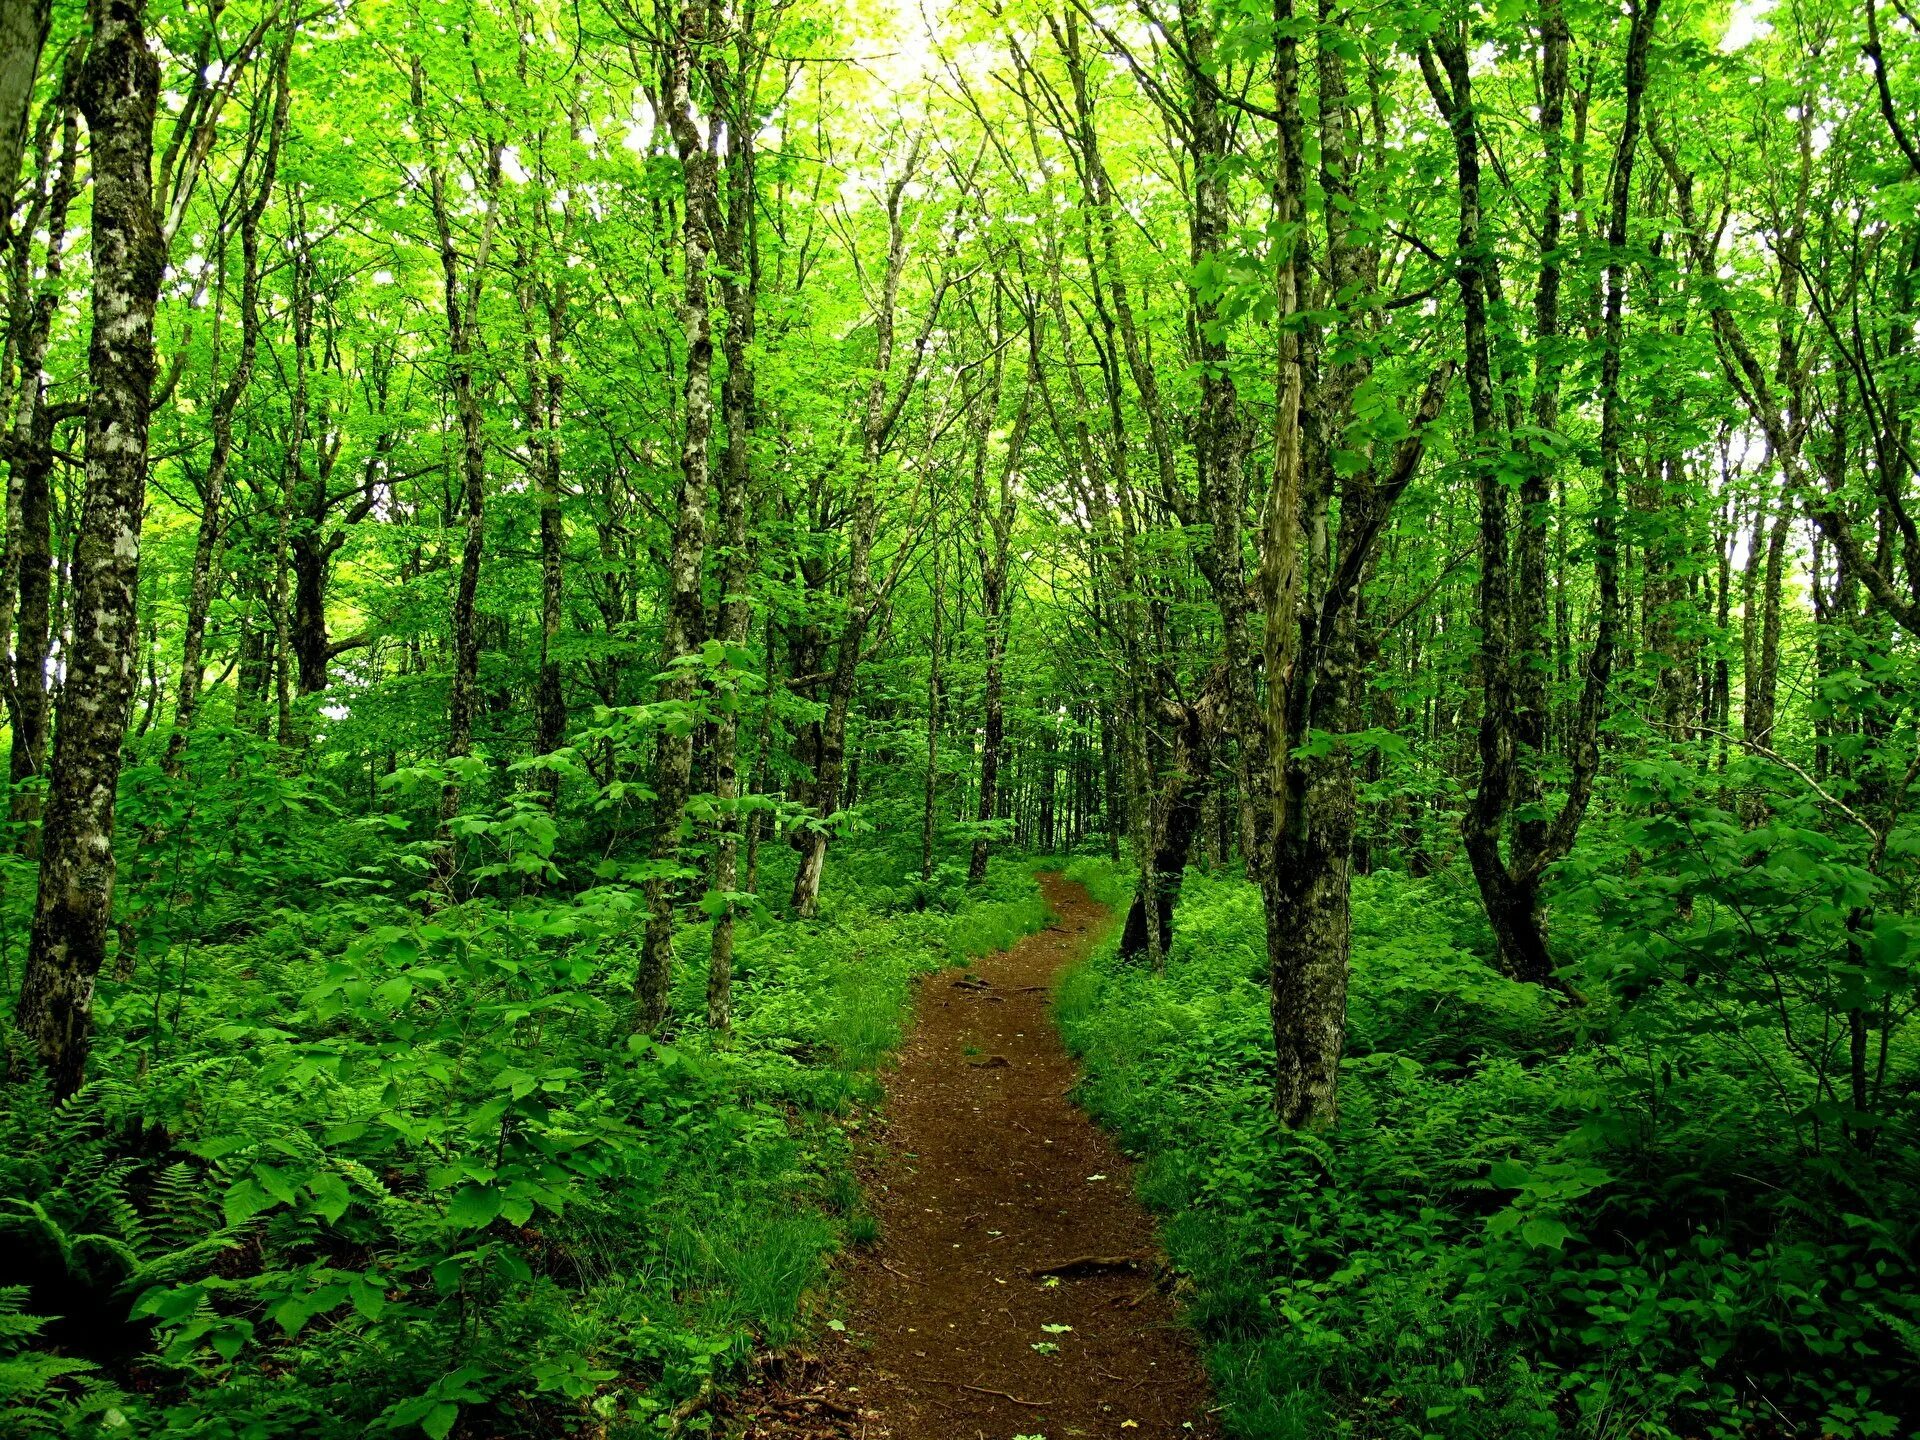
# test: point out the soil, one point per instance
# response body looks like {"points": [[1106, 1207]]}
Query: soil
{"points": [[1004, 1213]]}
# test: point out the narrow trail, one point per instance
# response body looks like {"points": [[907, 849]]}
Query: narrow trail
{"points": [[985, 1179]]}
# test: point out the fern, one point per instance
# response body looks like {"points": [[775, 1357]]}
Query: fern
{"points": [[182, 1208], [33, 1398]]}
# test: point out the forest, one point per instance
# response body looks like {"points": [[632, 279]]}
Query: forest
{"points": [[600, 599]]}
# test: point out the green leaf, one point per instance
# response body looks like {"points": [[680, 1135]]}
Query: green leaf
{"points": [[244, 1201], [277, 1183], [330, 1196], [369, 1299], [1509, 1175], [475, 1207], [1544, 1232]]}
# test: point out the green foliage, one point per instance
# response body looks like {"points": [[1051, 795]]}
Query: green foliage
{"points": [[375, 1172], [1508, 1233], [1108, 881]]}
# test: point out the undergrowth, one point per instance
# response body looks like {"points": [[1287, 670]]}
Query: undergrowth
{"points": [[347, 1171], [1507, 1234]]}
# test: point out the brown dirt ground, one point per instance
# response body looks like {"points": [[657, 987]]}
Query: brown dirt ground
{"points": [[985, 1176]]}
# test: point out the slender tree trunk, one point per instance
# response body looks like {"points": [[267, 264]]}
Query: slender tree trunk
{"points": [[739, 294], [1125, 727], [1763, 685], [762, 744], [461, 300], [1044, 820], [930, 797], [1178, 809], [993, 539], [876, 428], [118, 88], [310, 556], [1510, 884], [549, 696], [30, 559], [673, 749], [207, 543]]}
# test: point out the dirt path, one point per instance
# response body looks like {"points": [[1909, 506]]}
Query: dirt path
{"points": [[986, 1177]]}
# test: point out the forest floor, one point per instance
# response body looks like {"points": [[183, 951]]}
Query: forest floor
{"points": [[1015, 1288]]}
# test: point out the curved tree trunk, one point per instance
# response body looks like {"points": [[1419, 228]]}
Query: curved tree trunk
{"points": [[881, 414]]}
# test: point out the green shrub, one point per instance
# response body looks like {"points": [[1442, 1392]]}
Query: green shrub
{"points": [[367, 1172], [1497, 1239]]}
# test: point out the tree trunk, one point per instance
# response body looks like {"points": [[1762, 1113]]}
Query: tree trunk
{"points": [[1307, 892], [118, 88], [207, 543], [1763, 682], [876, 428], [23, 35], [1512, 585], [549, 696], [30, 558], [992, 538], [309, 619], [461, 301], [1312, 646], [1178, 811], [1044, 834], [673, 748], [931, 795], [739, 294]]}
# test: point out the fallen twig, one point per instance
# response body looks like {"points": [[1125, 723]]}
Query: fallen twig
{"points": [[983, 1390]]}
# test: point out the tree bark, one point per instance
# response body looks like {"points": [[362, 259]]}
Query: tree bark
{"points": [[118, 88], [1512, 590], [29, 563], [738, 255], [993, 539], [685, 612], [930, 797], [1193, 731], [549, 696], [23, 35]]}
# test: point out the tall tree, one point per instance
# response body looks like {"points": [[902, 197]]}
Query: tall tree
{"points": [[117, 89], [689, 31], [460, 298]]}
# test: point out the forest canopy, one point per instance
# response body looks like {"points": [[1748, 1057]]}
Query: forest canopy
{"points": [[555, 556]]}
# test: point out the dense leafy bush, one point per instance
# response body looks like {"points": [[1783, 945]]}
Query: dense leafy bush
{"points": [[1506, 1234], [346, 1170]]}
